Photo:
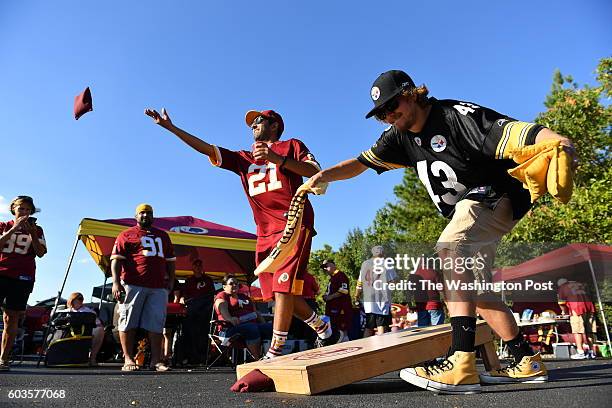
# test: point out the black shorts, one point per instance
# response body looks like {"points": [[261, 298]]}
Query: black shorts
{"points": [[374, 320], [14, 293]]}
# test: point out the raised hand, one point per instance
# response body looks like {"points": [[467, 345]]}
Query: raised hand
{"points": [[162, 119]]}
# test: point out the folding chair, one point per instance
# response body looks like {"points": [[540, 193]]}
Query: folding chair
{"points": [[70, 339], [226, 346]]}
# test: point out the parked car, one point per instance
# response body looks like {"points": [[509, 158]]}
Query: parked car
{"points": [[36, 319]]}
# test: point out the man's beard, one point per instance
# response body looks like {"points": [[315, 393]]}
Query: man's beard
{"points": [[145, 223]]}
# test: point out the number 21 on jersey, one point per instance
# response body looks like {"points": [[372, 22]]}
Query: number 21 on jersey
{"points": [[257, 185]]}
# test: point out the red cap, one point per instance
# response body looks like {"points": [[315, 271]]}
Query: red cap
{"points": [[270, 114]]}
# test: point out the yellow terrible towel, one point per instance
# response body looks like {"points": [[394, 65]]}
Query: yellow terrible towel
{"points": [[544, 167]]}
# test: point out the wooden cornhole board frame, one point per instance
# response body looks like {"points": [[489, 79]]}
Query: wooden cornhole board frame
{"points": [[314, 371]]}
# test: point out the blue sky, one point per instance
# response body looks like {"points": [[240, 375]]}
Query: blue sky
{"points": [[210, 62]]}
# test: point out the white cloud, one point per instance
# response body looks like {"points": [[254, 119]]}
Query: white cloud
{"points": [[84, 260], [5, 214]]}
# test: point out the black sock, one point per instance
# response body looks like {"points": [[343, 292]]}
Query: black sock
{"points": [[464, 333], [518, 347]]}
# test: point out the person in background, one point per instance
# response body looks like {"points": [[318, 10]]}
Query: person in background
{"points": [[75, 304], [197, 295], [429, 308], [238, 309], [142, 266], [376, 299], [337, 300], [573, 301], [21, 241]]}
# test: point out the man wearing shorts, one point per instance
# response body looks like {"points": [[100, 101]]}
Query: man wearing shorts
{"points": [[270, 174], [460, 151], [573, 300], [374, 278], [337, 300], [142, 265], [21, 241]]}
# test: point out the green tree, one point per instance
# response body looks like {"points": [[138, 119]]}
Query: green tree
{"points": [[413, 217], [577, 112]]}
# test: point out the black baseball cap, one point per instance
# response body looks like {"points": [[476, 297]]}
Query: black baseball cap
{"points": [[325, 262], [387, 86]]}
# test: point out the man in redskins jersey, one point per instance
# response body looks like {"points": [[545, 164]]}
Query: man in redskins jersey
{"points": [[197, 294], [270, 174], [21, 241], [143, 266], [460, 152], [338, 305]]}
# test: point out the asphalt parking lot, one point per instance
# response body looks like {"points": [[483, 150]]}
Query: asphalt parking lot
{"points": [[572, 384]]}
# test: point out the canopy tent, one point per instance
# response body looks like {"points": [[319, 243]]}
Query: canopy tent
{"points": [[579, 262], [222, 249]]}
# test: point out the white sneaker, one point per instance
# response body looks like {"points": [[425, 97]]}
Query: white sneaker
{"points": [[591, 354], [578, 356]]}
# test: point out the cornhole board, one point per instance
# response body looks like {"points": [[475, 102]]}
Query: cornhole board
{"points": [[314, 371]]}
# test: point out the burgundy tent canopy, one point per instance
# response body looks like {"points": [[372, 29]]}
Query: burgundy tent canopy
{"points": [[585, 263], [571, 261], [222, 249]]}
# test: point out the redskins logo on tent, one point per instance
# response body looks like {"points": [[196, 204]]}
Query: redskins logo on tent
{"points": [[186, 229]]}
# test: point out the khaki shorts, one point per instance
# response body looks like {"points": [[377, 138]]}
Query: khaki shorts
{"points": [[474, 233], [143, 308], [583, 324]]}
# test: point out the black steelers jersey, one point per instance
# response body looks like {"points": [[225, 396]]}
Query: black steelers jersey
{"points": [[462, 150]]}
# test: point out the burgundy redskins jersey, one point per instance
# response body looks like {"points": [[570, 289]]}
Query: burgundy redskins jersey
{"points": [[194, 287], [144, 254], [338, 282], [268, 188], [17, 257], [574, 295]]}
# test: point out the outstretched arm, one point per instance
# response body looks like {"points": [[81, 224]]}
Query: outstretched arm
{"points": [[164, 121], [341, 171]]}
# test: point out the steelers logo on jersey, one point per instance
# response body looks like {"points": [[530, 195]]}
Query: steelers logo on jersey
{"points": [[375, 93], [438, 143], [283, 278]]}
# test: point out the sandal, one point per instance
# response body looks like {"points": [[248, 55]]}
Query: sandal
{"points": [[130, 367], [160, 368]]}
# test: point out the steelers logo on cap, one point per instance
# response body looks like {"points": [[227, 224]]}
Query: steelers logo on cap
{"points": [[375, 93]]}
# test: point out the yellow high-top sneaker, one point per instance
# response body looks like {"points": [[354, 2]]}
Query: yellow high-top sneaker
{"points": [[529, 370], [455, 374]]}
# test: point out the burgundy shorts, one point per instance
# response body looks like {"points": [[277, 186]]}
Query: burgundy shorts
{"points": [[289, 276], [340, 318]]}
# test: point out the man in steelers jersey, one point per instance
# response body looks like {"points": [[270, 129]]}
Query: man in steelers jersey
{"points": [[460, 152]]}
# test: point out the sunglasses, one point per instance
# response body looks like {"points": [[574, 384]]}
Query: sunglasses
{"points": [[261, 119], [231, 283], [387, 108]]}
